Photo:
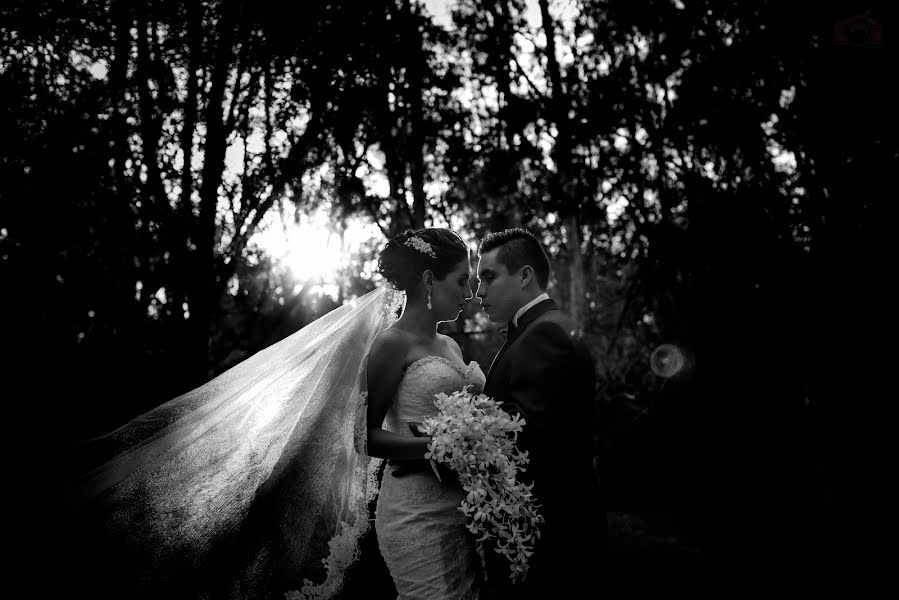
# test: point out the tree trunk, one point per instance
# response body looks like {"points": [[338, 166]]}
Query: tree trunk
{"points": [[123, 21], [389, 125], [181, 220], [560, 185], [389, 128], [576, 285], [150, 119], [204, 298], [414, 89], [502, 18], [127, 313], [195, 35]]}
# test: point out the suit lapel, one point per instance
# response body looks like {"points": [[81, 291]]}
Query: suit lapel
{"points": [[525, 320]]}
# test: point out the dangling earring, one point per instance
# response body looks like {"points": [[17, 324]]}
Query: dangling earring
{"points": [[429, 299]]}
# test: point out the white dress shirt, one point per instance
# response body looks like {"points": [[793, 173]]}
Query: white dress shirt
{"points": [[527, 307]]}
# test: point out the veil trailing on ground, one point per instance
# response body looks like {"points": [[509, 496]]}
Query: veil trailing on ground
{"points": [[255, 484]]}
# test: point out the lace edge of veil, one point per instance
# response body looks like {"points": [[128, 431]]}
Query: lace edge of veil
{"points": [[343, 547]]}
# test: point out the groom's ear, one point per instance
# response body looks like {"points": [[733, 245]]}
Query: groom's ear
{"points": [[527, 275]]}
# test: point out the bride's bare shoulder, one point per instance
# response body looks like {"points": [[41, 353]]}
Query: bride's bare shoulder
{"points": [[393, 335], [452, 345], [391, 342]]}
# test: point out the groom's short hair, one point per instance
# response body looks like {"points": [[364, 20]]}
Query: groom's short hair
{"points": [[518, 248]]}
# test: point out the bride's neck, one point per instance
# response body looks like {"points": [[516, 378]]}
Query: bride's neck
{"points": [[420, 321]]}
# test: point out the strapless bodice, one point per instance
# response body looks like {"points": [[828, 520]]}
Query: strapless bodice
{"points": [[424, 378]]}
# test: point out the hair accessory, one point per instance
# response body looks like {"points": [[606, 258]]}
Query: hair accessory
{"points": [[420, 245]]}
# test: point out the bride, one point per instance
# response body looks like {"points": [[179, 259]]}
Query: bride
{"points": [[421, 532], [258, 484]]}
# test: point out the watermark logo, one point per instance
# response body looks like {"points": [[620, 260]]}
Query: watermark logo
{"points": [[860, 30]]}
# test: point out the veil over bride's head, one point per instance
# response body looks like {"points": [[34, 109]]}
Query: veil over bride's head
{"points": [[254, 485]]}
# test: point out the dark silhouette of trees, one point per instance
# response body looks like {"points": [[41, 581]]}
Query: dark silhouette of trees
{"points": [[706, 174]]}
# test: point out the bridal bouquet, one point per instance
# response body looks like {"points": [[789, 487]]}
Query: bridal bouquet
{"points": [[473, 436]]}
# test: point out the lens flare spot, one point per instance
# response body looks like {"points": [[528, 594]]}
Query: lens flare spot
{"points": [[667, 360]]}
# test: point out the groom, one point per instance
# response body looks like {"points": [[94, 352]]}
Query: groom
{"points": [[544, 373]]}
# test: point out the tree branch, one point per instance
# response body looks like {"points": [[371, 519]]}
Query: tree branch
{"points": [[536, 93]]}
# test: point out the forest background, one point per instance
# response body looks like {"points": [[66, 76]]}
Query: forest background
{"points": [[185, 183]]}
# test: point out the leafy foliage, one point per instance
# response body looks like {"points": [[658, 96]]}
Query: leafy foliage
{"points": [[699, 172]]}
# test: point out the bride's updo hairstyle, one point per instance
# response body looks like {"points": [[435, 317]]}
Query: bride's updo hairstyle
{"points": [[408, 255]]}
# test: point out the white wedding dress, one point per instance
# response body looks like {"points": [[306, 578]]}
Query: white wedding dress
{"points": [[421, 531]]}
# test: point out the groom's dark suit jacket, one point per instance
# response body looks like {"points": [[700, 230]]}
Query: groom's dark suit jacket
{"points": [[544, 373]]}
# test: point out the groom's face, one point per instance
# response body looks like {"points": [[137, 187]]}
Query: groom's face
{"points": [[498, 290]]}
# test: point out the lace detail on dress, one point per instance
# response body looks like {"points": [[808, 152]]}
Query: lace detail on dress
{"points": [[466, 371], [421, 531]]}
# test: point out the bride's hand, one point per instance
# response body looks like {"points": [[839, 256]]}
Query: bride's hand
{"points": [[416, 429]]}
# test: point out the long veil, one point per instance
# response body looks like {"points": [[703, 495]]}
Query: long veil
{"points": [[254, 485]]}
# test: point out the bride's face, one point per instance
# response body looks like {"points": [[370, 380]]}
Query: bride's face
{"points": [[449, 295]]}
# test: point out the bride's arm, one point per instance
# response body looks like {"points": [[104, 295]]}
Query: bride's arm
{"points": [[385, 370]]}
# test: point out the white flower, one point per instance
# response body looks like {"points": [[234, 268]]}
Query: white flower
{"points": [[473, 436], [421, 245]]}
